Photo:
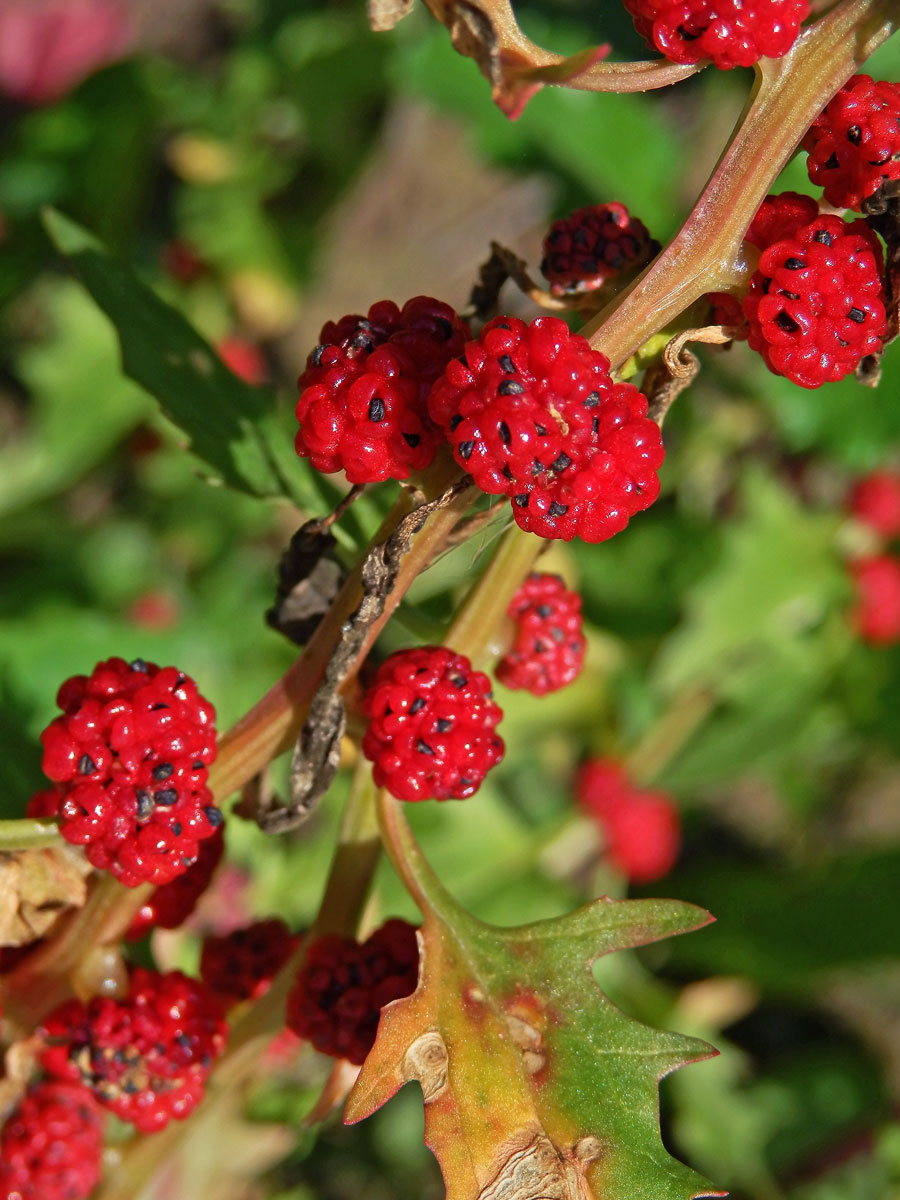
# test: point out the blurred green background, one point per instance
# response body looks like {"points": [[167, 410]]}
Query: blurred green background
{"points": [[264, 165]]}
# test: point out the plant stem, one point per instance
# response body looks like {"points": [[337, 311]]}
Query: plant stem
{"points": [[28, 834], [668, 734], [706, 255]]}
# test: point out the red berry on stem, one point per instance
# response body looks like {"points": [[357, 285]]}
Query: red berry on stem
{"points": [[145, 1056], [875, 501], [431, 725], [342, 987], [598, 785], [170, 905], [854, 143], [876, 613], [241, 965], [132, 750], [548, 647], [642, 828], [592, 245], [51, 1145], [816, 303], [532, 413], [733, 33], [781, 216], [362, 406]]}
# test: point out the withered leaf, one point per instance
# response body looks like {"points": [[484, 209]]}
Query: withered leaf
{"points": [[385, 14], [35, 887], [308, 581]]}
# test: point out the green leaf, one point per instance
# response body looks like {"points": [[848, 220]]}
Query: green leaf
{"points": [[534, 1083], [235, 429]]}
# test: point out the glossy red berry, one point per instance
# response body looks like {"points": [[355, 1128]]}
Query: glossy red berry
{"points": [[244, 358], [548, 646], [131, 752], [854, 143], [816, 303], [599, 784], [362, 400], [52, 1144], [241, 965], [781, 216], [532, 413], [432, 720], [145, 1056], [733, 33], [592, 245], [642, 829], [170, 905], [342, 987], [875, 501], [876, 613], [45, 803]]}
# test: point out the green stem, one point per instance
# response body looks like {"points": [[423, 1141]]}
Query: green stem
{"points": [[707, 254], [28, 834]]}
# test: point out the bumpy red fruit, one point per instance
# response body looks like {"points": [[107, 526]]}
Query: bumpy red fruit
{"points": [[362, 400], [131, 752], [876, 614], [781, 216], [342, 987], [432, 721], [875, 501], [548, 648], [145, 1056], [532, 413], [854, 143], [241, 965], [170, 905], [591, 245], [51, 1144], [816, 303], [642, 829], [733, 33], [45, 803]]}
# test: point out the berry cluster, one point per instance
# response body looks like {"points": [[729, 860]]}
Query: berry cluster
{"points": [[532, 413], [51, 1144], [733, 33], [876, 613], [362, 400], [592, 245], [171, 904], [343, 985], [145, 1056], [642, 828], [548, 648], [432, 720], [131, 752], [854, 144], [815, 305], [241, 965]]}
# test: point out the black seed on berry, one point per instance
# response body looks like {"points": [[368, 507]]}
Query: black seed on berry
{"points": [[162, 771], [360, 341], [544, 611], [786, 322], [539, 646], [417, 705], [831, 163], [412, 440], [794, 264], [464, 781], [561, 463], [767, 283], [842, 343], [506, 472], [176, 828], [592, 400], [455, 420], [197, 764], [423, 747], [855, 314], [315, 358], [443, 724], [465, 450], [138, 664], [166, 796], [445, 327], [510, 387], [557, 634], [144, 804], [521, 500], [595, 425], [823, 237], [459, 681], [580, 237], [86, 765], [557, 509], [501, 325], [157, 707], [214, 816], [503, 433], [507, 364], [376, 409], [854, 135]]}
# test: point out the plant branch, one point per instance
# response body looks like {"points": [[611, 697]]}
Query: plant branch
{"points": [[29, 834]]}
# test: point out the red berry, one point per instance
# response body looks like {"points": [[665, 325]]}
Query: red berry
{"points": [[431, 725], [876, 614], [45, 803], [781, 216], [733, 33], [241, 965], [548, 649], [244, 358], [816, 303], [599, 784], [170, 905], [342, 987], [51, 1145], [591, 245], [854, 143], [532, 413], [726, 309], [362, 400], [875, 501], [642, 829], [145, 1056], [181, 261]]}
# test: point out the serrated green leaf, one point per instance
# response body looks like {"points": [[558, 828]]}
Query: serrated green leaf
{"points": [[534, 1083]]}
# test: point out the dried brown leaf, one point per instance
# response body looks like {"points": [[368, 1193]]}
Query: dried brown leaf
{"points": [[35, 887]]}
